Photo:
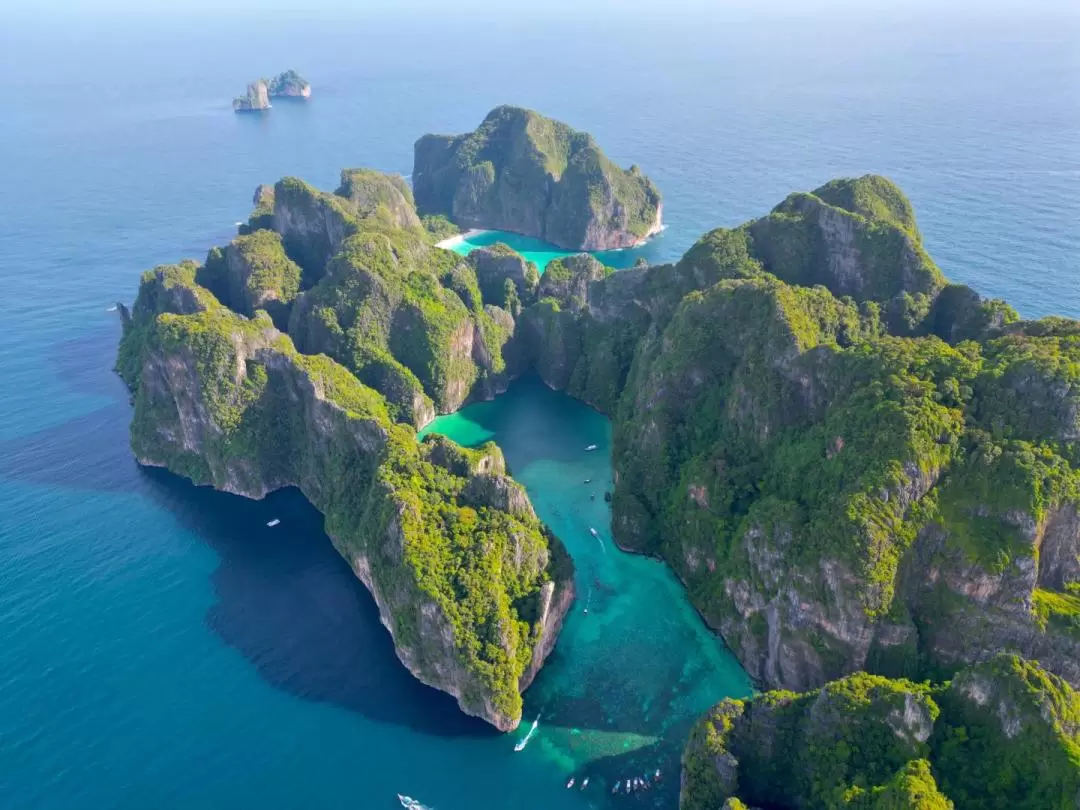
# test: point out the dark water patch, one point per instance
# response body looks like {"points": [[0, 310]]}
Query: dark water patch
{"points": [[294, 609], [284, 598]]}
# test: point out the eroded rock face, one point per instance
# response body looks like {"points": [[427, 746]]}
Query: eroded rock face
{"points": [[525, 173], [257, 98], [1001, 733], [777, 749], [499, 264], [744, 453], [227, 401], [368, 190], [289, 84]]}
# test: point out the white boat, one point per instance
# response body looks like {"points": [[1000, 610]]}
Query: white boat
{"points": [[525, 740], [590, 448], [570, 784], [617, 785], [273, 523], [588, 480], [585, 783], [594, 532]]}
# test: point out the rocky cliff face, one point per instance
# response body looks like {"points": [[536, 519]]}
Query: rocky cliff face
{"points": [[469, 583], [253, 272], [839, 488], [257, 98], [289, 84], [1004, 733], [528, 174], [406, 318]]}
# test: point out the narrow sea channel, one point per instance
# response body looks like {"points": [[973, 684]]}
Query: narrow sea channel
{"points": [[635, 665]]}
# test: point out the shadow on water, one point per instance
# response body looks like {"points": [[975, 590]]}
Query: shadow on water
{"points": [[285, 599], [295, 610]]}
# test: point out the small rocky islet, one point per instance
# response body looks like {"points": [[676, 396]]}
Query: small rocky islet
{"points": [[865, 475], [289, 84]]}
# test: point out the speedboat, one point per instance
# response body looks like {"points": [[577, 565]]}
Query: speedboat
{"points": [[615, 789], [656, 775], [588, 480], [593, 532], [273, 523], [570, 784], [585, 783], [628, 786], [590, 448]]}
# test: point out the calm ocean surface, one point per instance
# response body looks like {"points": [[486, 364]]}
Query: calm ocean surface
{"points": [[159, 646]]}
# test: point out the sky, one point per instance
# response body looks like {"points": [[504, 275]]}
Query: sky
{"points": [[58, 9]]}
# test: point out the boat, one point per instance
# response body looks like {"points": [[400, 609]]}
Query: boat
{"points": [[411, 804], [615, 789], [525, 740], [590, 448], [585, 783], [656, 775], [570, 784], [273, 523], [588, 480], [594, 532], [627, 785]]}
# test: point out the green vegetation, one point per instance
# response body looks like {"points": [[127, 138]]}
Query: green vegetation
{"points": [[851, 463], [253, 272], [439, 227], [1010, 738], [1005, 734], [448, 544], [522, 172], [871, 197], [289, 83], [1062, 610]]}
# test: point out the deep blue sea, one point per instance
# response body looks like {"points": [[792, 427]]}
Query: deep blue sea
{"points": [[159, 646]]}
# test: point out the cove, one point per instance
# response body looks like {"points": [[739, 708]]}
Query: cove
{"points": [[539, 252], [635, 665]]}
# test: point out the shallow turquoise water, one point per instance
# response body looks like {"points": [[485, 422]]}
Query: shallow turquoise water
{"points": [[540, 252], [161, 647], [634, 665]]}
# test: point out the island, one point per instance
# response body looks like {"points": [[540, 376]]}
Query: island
{"points": [[865, 475], [257, 98], [528, 174], [289, 84], [1000, 734]]}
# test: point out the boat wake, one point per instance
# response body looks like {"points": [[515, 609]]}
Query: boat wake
{"points": [[525, 740], [412, 804]]}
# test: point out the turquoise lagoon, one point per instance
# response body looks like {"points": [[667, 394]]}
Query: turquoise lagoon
{"points": [[162, 647], [634, 665], [540, 252]]}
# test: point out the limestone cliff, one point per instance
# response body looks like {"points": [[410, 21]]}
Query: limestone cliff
{"points": [[289, 84], [470, 584], [256, 98], [838, 487], [525, 173], [1004, 733]]}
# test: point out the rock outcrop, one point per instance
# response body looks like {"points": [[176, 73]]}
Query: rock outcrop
{"points": [[470, 584], [525, 173], [257, 98], [289, 84], [253, 272], [839, 487], [1004, 733], [499, 265], [850, 463]]}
